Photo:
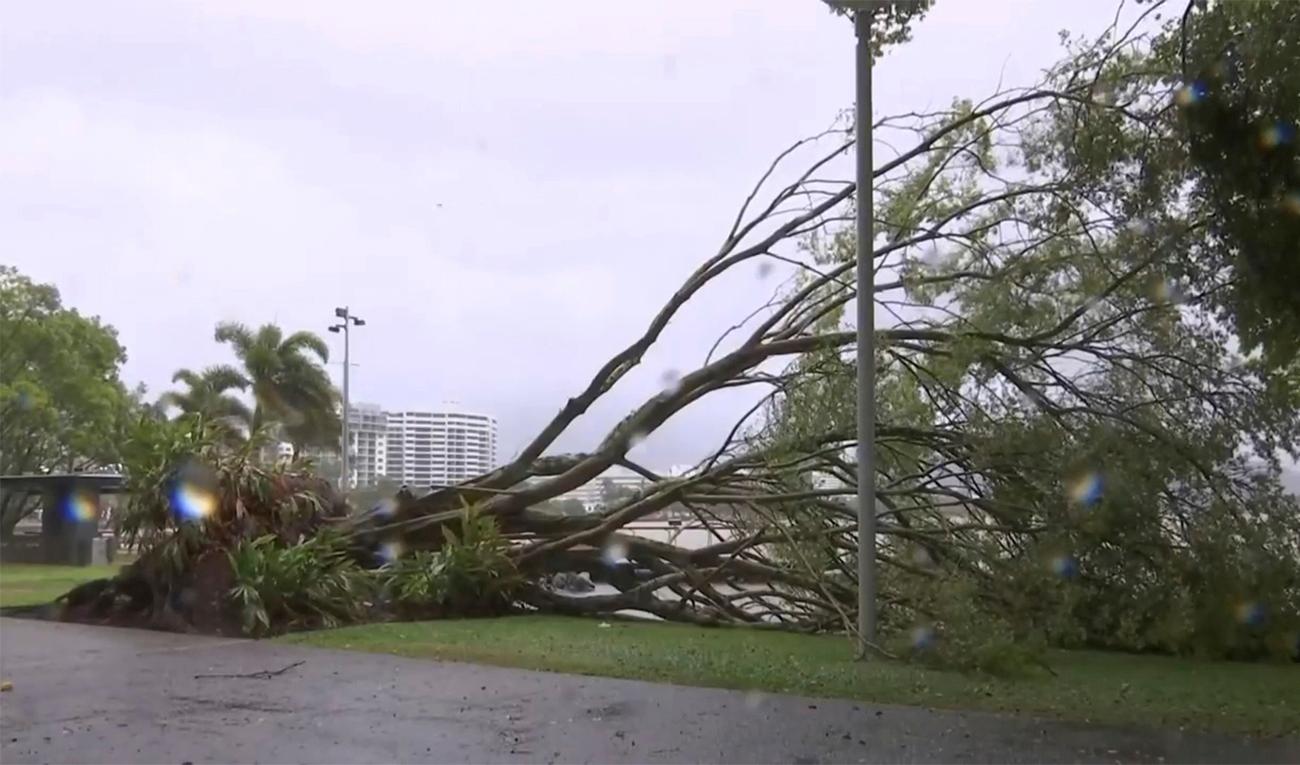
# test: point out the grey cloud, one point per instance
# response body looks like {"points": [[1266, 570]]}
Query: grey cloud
{"points": [[506, 201]]}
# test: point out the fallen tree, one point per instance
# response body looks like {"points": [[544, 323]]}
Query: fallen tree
{"points": [[1070, 449], [1062, 421]]}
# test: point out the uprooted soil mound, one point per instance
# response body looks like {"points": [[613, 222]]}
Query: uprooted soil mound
{"points": [[199, 603]]}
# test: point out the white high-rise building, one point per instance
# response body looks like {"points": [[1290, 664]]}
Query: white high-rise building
{"points": [[596, 493], [418, 448], [368, 447], [439, 448]]}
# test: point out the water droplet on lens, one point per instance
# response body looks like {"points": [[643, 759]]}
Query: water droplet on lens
{"points": [[1251, 613], [670, 381], [753, 700], [1276, 135], [1064, 566], [1086, 489], [1291, 202], [764, 269], [1191, 94], [193, 493], [1141, 227], [1167, 291], [391, 550], [1032, 399], [614, 553], [81, 507], [923, 638], [934, 257]]}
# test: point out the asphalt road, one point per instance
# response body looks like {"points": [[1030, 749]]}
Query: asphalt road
{"points": [[104, 695]]}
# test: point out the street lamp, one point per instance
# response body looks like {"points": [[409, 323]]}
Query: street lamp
{"points": [[866, 366], [348, 320]]}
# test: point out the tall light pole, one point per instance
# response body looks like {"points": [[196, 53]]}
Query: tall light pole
{"points": [[866, 342], [347, 320], [866, 321]]}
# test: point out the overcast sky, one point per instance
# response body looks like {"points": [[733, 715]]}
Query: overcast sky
{"points": [[505, 191]]}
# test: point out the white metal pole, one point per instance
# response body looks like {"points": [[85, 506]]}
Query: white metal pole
{"points": [[866, 367], [345, 481]]}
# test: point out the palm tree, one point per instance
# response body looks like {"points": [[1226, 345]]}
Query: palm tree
{"points": [[208, 394], [290, 386]]}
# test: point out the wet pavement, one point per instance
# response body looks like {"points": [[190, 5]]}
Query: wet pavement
{"points": [[98, 694]]}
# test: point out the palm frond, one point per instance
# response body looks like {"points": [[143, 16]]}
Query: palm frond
{"points": [[309, 341]]}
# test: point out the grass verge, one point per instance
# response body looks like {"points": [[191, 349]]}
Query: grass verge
{"points": [[24, 584], [1154, 691]]}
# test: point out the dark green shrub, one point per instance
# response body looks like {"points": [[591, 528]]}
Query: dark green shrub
{"points": [[311, 584], [472, 573]]}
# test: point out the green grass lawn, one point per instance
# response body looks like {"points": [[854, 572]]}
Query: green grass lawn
{"points": [[23, 584], [1089, 686]]}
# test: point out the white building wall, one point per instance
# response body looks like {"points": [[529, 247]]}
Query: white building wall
{"points": [[439, 448], [592, 493]]}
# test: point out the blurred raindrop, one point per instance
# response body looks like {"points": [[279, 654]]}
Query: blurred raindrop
{"points": [[923, 638], [1032, 398], [764, 269], [1085, 489], [635, 438], [922, 558], [670, 381], [753, 700], [1291, 202], [1191, 94], [385, 508], [24, 400], [1092, 307], [614, 553], [1064, 566], [80, 507], [193, 493], [1251, 613], [293, 418], [1167, 291], [391, 550], [1278, 134], [934, 258], [1140, 227]]}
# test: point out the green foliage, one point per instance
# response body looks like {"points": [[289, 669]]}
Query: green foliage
{"points": [[289, 385], [364, 498], [62, 405], [207, 395], [471, 573], [891, 20], [310, 584], [1240, 109], [1087, 317], [955, 626], [190, 495]]}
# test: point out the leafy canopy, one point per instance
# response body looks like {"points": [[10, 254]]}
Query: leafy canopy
{"points": [[62, 404]]}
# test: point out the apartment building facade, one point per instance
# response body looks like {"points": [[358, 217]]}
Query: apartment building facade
{"points": [[420, 448], [368, 444]]}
